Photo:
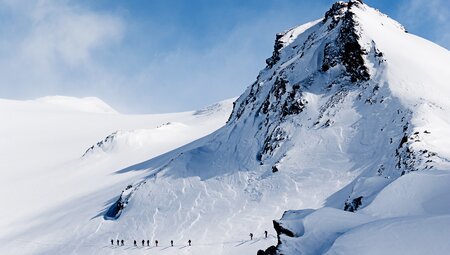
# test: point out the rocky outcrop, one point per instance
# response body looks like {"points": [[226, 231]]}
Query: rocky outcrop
{"points": [[276, 51]]}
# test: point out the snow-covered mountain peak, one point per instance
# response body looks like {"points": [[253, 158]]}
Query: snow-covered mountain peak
{"points": [[348, 10], [339, 9], [354, 48]]}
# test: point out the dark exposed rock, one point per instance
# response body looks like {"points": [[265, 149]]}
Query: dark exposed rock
{"points": [[334, 14], [273, 141], [294, 104], [276, 51], [238, 110], [115, 210], [353, 205], [329, 57], [280, 230], [266, 105], [346, 49], [352, 52], [403, 141], [272, 250], [274, 169], [110, 138]]}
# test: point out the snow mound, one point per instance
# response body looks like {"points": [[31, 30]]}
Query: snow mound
{"points": [[85, 104], [409, 216], [414, 236], [419, 193], [222, 106]]}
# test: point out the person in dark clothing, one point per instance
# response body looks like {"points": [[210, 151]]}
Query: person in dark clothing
{"points": [[122, 243], [189, 242], [251, 236], [265, 233], [171, 243], [117, 242], [112, 242], [156, 243], [143, 243], [135, 243], [148, 242]]}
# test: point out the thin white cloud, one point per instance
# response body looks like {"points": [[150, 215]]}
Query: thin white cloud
{"points": [[52, 46], [68, 34]]}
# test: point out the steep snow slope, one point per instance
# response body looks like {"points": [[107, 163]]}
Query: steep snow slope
{"points": [[348, 106], [42, 145]]}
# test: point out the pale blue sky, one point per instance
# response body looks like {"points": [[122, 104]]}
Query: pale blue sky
{"points": [[162, 55]]}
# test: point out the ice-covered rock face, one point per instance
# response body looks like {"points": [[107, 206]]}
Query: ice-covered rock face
{"points": [[313, 70], [335, 39]]}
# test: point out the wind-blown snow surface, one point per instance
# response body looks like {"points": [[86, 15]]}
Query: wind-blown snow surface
{"points": [[43, 168], [351, 112]]}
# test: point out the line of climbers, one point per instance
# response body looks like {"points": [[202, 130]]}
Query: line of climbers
{"points": [[122, 242]]}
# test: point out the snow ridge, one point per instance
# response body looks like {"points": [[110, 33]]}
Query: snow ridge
{"points": [[85, 104]]}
